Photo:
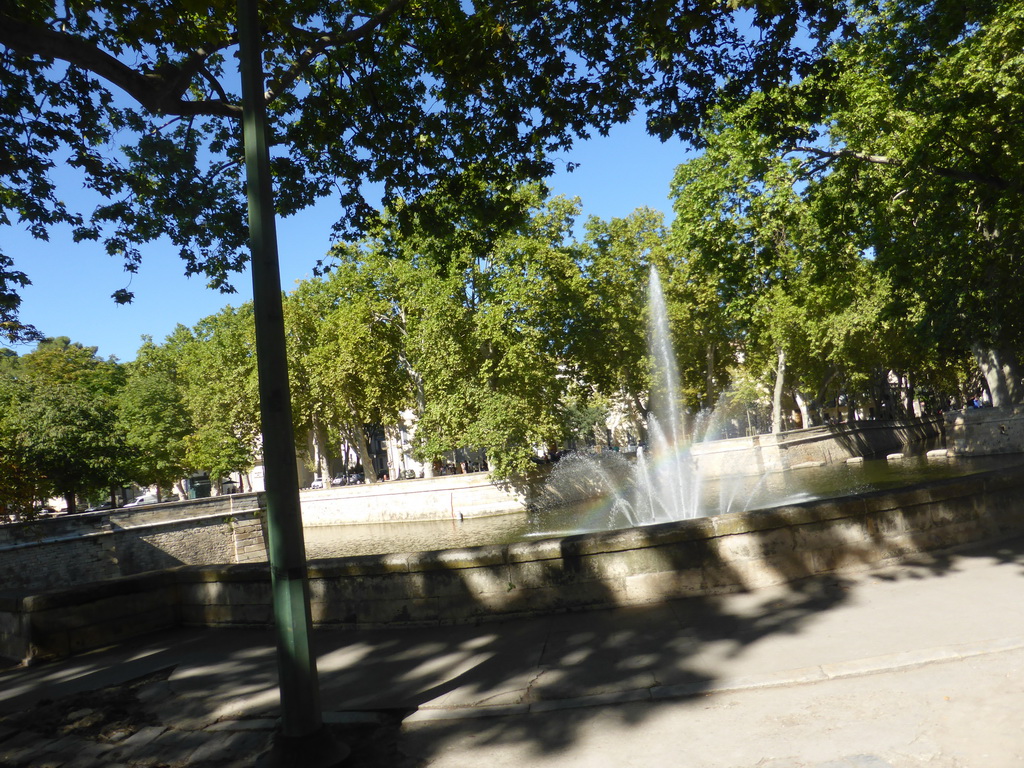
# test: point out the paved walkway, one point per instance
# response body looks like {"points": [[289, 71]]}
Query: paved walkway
{"points": [[918, 664]]}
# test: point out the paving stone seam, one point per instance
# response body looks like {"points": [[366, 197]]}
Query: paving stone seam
{"points": [[803, 676]]}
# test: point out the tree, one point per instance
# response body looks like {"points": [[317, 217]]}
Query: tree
{"points": [[20, 482], [61, 420], [154, 419], [799, 295], [217, 367], [483, 318], [915, 139], [344, 359], [406, 94]]}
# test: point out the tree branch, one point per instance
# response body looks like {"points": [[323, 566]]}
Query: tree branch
{"points": [[329, 40], [161, 92], [157, 93], [997, 182]]}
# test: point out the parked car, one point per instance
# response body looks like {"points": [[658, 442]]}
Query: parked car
{"points": [[318, 482], [149, 498]]}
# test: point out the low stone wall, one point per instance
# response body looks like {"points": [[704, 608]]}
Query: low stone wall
{"points": [[829, 443], [88, 547], [985, 431], [59, 551], [77, 549], [696, 557], [63, 622], [454, 496]]}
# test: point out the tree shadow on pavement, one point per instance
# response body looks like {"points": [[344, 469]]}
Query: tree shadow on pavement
{"points": [[677, 650]]}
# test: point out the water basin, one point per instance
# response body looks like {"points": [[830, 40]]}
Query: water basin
{"points": [[772, 490]]}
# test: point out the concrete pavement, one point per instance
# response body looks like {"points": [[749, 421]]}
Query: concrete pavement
{"points": [[912, 665]]}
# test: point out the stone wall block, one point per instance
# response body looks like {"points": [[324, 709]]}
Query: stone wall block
{"points": [[644, 588], [846, 558], [383, 587], [577, 595], [884, 523], [844, 533], [788, 566], [617, 565], [101, 633], [205, 614], [541, 573], [377, 612]]}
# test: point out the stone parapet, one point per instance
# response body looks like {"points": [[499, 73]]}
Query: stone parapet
{"points": [[85, 548], [449, 496], [829, 443], [985, 431], [705, 556]]}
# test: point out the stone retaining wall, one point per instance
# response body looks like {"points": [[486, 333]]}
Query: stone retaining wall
{"points": [[705, 556], [84, 548], [986, 431], [829, 443], [449, 496]]}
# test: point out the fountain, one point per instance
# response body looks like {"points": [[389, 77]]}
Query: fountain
{"points": [[664, 482]]}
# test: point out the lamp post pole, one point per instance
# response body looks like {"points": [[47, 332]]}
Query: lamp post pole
{"points": [[303, 739]]}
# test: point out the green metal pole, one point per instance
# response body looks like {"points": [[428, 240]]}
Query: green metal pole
{"points": [[302, 722]]}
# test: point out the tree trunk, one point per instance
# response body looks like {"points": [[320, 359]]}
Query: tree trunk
{"points": [[822, 396], [421, 407], [321, 460], [806, 416], [357, 436], [709, 379], [780, 378], [1001, 375], [643, 411], [910, 395], [69, 501]]}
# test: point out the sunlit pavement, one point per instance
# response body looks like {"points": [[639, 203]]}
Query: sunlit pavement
{"points": [[918, 664]]}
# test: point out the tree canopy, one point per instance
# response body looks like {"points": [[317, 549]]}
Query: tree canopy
{"points": [[58, 424], [908, 145], [142, 101]]}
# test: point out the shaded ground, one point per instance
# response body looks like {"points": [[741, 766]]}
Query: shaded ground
{"points": [[115, 715], [109, 715]]}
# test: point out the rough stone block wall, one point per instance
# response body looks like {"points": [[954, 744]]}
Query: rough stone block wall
{"points": [[183, 542], [50, 564], [986, 431], [79, 558], [249, 539]]}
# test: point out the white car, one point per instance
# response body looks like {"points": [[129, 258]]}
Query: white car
{"points": [[149, 498]]}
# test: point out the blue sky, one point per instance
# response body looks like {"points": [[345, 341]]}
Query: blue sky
{"points": [[72, 282]]}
